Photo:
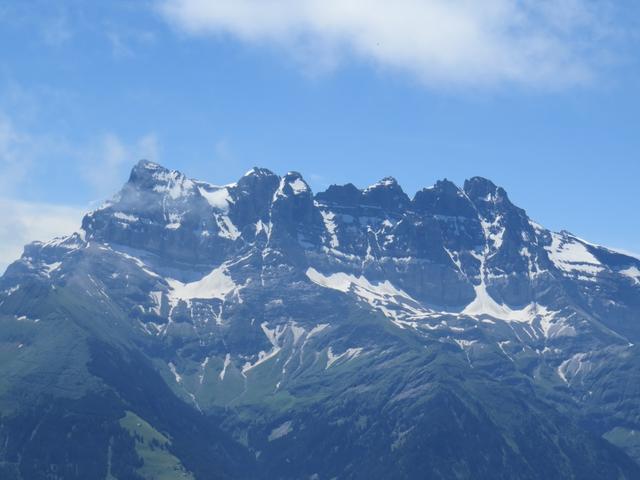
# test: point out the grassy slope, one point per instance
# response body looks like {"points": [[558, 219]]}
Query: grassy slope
{"points": [[153, 448]]}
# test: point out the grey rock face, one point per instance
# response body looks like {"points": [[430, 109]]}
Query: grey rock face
{"points": [[262, 295]]}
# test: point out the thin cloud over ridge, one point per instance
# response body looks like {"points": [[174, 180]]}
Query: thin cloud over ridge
{"points": [[541, 43], [23, 222], [102, 164]]}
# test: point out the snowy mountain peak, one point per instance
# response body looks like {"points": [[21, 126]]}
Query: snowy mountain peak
{"points": [[444, 198], [259, 172], [296, 183], [462, 236], [480, 189], [386, 194], [294, 314], [144, 164], [154, 178], [386, 182], [145, 170]]}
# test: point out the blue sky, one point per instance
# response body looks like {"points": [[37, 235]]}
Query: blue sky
{"points": [[542, 97]]}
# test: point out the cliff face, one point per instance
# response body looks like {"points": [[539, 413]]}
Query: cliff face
{"points": [[262, 331]]}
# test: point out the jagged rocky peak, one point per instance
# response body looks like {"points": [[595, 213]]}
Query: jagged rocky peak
{"points": [[443, 198], [258, 179], [293, 194], [163, 212], [253, 194], [480, 189], [343, 195], [241, 299], [295, 221], [386, 182], [152, 177], [493, 204], [145, 169], [151, 188], [386, 194], [258, 172], [293, 184]]}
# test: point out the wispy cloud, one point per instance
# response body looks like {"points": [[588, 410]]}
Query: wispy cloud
{"points": [[23, 222], [57, 31], [14, 156], [102, 163], [541, 43], [126, 41]]}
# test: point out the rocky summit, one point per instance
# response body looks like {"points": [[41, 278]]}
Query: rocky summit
{"points": [[260, 331]]}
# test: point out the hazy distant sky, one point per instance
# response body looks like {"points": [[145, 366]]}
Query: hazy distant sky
{"points": [[541, 96]]}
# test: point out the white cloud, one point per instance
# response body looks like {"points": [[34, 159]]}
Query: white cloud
{"points": [[223, 153], [105, 162], [23, 222], [442, 42], [24, 155], [125, 41], [15, 154], [57, 31]]}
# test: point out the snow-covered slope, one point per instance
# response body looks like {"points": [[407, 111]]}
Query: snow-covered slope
{"points": [[262, 294]]}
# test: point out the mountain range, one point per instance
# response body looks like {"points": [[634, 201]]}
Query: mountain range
{"points": [[259, 330]]}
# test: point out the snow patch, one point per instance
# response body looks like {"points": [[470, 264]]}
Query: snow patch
{"points": [[177, 376], [227, 362], [11, 290], [274, 335], [297, 332], [156, 297], [329, 223], [317, 329], [394, 303], [298, 186], [262, 227], [348, 354], [484, 304], [126, 217], [227, 227], [219, 198], [571, 368], [633, 273], [217, 284], [345, 282], [173, 184], [175, 221], [571, 256], [385, 182], [52, 267], [280, 431], [203, 367], [464, 343], [493, 232]]}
